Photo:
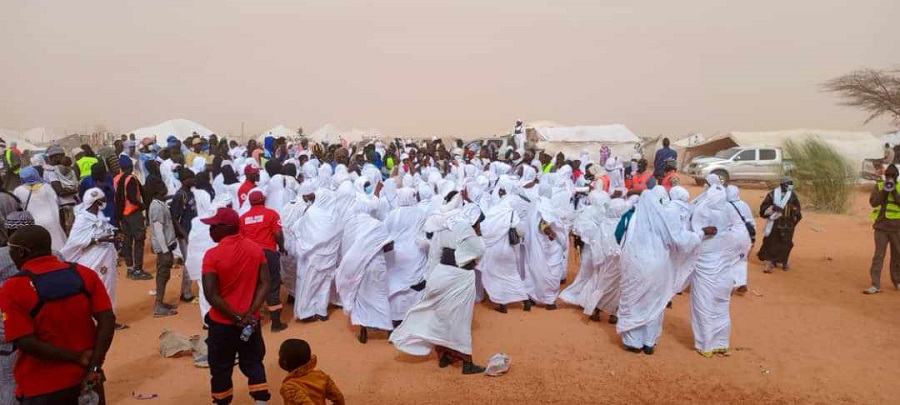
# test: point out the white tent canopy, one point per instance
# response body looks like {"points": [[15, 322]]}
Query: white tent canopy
{"points": [[571, 141], [11, 136], [892, 138], [854, 146], [43, 135], [180, 127], [330, 133], [278, 132]]}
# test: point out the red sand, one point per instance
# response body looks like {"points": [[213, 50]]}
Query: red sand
{"points": [[810, 337]]}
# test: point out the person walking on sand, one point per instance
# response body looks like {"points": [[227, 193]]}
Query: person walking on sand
{"points": [[885, 202], [235, 281], [782, 210]]}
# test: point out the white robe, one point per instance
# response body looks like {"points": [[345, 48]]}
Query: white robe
{"points": [[500, 266], [712, 279], [317, 255], [361, 279], [43, 206], [444, 316], [100, 257], [406, 263], [654, 235]]}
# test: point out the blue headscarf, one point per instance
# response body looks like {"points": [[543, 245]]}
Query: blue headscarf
{"points": [[30, 176], [378, 162], [270, 145]]}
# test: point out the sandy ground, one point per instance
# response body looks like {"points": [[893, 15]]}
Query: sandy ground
{"points": [[803, 336]]}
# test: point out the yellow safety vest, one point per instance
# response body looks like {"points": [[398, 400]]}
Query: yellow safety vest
{"points": [[9, 162], [893, 209], [84, 166]]}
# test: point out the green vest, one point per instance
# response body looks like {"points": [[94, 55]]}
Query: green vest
{"points": [[84, 166], [9, 161], [892, 210]]}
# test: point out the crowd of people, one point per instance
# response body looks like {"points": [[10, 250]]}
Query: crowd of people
{"points": [[405, 237]]}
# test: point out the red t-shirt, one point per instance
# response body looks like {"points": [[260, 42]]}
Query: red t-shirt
{"points": [[260, 225], [244, 191], [236, 261], [67, 323]]}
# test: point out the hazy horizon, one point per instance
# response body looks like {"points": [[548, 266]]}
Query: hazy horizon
{"points": [[421, 68]]}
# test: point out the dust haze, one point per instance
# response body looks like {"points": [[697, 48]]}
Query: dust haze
{"points": [[449, 67]]}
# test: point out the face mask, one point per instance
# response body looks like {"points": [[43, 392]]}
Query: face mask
{"points": [[790, 187], [102, 206], [370, 190], [176, 175]]}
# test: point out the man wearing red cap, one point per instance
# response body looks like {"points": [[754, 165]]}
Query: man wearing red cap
{"points": [[252, 177], [235, 282], [263, 226]]}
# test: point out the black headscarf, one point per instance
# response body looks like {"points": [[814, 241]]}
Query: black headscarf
{"points": [[201, 181], [228, 175]]}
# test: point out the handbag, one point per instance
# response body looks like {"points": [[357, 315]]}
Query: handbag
{"points": [[513, 235], [750, 229]]}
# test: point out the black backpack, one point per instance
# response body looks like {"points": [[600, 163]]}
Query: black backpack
{"points": [[55, 285]]}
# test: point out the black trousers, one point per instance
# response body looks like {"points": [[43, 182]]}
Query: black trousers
{"points": [[223, 343], [67, 396], [273, 260], [135, 232]]}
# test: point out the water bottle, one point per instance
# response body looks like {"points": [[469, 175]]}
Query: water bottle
{"points": [[89, 397], [248, 330]]}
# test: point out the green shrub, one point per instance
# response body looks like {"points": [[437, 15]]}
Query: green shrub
{"points": [[821, 175]]}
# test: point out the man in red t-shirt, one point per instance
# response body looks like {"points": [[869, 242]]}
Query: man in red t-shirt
{"points": [[235, 282], [62, 348], [251, 174], [263, 226]]}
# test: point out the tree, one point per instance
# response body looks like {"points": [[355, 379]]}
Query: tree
{"points": [[876, 92]]}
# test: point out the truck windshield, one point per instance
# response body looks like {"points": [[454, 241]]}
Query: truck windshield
{"points": [[727, 153]]}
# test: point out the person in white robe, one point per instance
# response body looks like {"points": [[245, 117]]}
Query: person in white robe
{"points": [[713, 277], [361, 278], [406, 262], [39, 199], [292, 215], [199, 241], [92, 243], [500, 267], [449, 207], [167, 169], [547, 244], [586, 227], [684, 264], [654, 234], [317, 253], [602, 290], [746, 214], [442, 321]]}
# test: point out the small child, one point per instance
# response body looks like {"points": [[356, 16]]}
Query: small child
{"points": [[162, 242], [304, 384]]}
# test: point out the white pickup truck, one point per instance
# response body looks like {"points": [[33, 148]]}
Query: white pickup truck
{"points": [[741, 164]]}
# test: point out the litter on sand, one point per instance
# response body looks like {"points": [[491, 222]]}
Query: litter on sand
{"points": [[497, 365]]}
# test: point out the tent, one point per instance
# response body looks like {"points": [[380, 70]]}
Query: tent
{"points": [[892, 138], [278, 132], [330, 133], [180, 127], [854, 146], [42, 135], [571, 141], [11, 136]]}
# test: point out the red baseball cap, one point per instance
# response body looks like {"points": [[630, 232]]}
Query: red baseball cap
{"points": [[250, 169], [224, 216], [257, 197]]}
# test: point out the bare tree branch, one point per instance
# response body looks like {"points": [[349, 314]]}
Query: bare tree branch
{"points": [[876, 92]]}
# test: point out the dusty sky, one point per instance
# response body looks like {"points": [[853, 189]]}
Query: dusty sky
{"points": [[453, 67]]}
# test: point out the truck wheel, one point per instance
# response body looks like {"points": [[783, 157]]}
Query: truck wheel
{"points": [[722, 175]]}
